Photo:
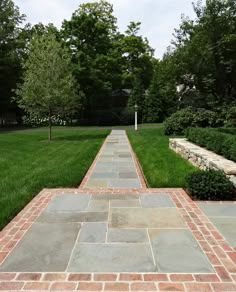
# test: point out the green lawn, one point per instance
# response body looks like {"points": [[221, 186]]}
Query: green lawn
{"points": [[161, 166], [28, 164]]}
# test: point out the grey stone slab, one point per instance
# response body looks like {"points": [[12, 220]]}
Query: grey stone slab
{"points": [[176, 251], [99, 169], [103, 175], [126, 169], [214, 210], [98, 206], [126, 164], [124, 203], [124, 183], [73, 217], [128, 174], [105, 165], [93, 232], [227, 227], [127, 235], [105, 159], [96, 183], [145, 218], [115, 197], [123, 159], [111, 258], [44, 248], [127, 154], [71, 202], [156, 200]]}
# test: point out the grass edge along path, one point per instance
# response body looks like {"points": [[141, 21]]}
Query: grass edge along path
{"points": [[28, 164], [161, 166]]}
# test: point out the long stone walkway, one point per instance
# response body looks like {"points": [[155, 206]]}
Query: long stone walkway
{"points": [[119, 236], [115, 165]]}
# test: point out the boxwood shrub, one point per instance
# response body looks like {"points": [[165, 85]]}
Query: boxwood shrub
{"points": [[187, 117], [210, 185], [214, 140]]}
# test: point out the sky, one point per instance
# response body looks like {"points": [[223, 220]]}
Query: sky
{"points": [[159, 18]]}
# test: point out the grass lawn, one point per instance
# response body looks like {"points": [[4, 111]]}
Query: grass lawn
{"points": [[79, 128], [161, 166], [27, 164]]}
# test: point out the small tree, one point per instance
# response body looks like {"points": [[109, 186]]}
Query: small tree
{"points": [[48, 85]]}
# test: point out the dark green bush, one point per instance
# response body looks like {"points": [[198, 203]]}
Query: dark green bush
{"points": [[209, 185], [187, 117], [179, 121], [214, 140], [230, 119]]}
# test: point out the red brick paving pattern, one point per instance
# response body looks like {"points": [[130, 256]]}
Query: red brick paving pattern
{"points": [[218, 251]]}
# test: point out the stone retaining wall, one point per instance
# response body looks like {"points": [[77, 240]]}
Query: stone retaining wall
{"points": [[202, 158]]}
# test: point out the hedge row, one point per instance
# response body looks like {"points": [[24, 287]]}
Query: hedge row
{"points": [[214, 140]]}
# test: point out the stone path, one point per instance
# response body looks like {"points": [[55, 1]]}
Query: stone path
{"points": [[119, 239], [115, 165]]}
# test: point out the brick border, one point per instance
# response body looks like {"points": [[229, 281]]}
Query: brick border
{"points": [[86, 177], [221, 255], [138, 167]]}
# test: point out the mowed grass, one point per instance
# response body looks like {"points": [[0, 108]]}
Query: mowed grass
{"points": [[28, 163], [161, 166]]}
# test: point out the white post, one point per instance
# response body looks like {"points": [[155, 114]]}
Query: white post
{"points": [[136, 120]]}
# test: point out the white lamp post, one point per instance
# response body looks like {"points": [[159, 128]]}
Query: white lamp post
{"points": [[136, 117]]}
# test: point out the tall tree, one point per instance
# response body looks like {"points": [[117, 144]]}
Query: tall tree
{"points": [[48, 87], [205, 53], [92, 37], [10, 45], [137, 65], [137, 55]]}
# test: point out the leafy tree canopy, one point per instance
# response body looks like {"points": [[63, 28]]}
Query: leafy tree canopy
{"points": [[48, 85]]}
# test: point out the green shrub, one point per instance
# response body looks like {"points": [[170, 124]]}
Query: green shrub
{"points": [[179, 121], [209, 185], [187, 117], [230, 119], [214, 140]]}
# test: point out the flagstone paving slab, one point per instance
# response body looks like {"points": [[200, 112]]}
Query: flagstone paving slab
{"points": [[222, 209], [45, 247], [145, 218], [178, 251], [223, 216], [120, 196], [112, 258], [68, 203], [158, 200], [46, 217], [123, 183], [93, 232], [125, 203], [227, 227], [98, 206], [127, 235]]}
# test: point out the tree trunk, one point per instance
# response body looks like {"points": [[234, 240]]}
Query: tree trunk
{"points": [[49, 128]]}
